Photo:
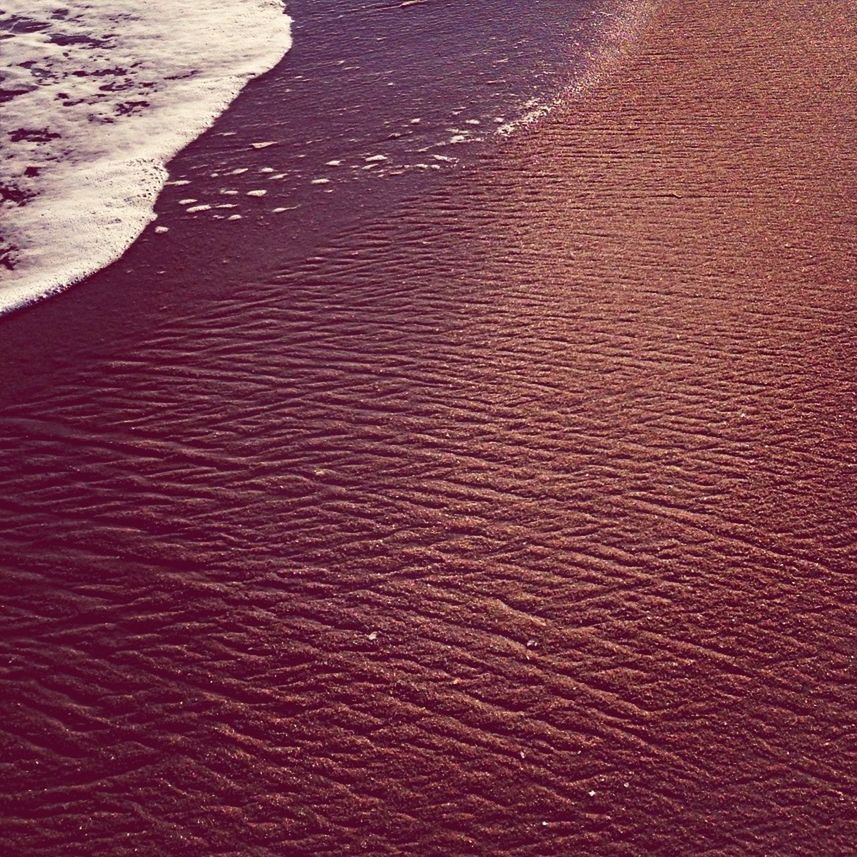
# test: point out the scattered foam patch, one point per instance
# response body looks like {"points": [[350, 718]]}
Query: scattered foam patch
{"points": [[104, 94]]}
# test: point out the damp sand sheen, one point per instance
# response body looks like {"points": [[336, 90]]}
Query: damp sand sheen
{"points": [[504, 508]]}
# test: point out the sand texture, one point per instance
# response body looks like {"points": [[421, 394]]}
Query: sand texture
{"points": [[518, 520]]}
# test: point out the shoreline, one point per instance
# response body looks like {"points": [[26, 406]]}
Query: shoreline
{"points": [[515, 519], [202, 254], [90, 203]]}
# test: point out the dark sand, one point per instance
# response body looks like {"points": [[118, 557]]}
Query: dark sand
{"points": [[516, 521]]}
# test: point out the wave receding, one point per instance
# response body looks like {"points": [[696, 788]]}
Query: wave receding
{"points": [[96, 99]]}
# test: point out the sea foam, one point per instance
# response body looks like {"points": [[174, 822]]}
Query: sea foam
{"points": [[97, 97]]}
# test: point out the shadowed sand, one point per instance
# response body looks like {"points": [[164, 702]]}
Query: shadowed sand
{"points": [[519, 521]]}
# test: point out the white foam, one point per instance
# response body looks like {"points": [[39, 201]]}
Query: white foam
{"points": [[534, 110], [91, 162]]}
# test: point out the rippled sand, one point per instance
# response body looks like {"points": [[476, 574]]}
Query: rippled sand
{"points": [[524, 525]]}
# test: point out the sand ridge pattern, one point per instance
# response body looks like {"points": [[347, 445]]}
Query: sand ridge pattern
{"points": [[517, 522]]}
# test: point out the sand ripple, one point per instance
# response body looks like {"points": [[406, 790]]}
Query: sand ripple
{"points": [[518, 522]]}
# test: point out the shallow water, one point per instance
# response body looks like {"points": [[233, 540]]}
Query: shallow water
{"points": [[98, 100], [95, 100]]}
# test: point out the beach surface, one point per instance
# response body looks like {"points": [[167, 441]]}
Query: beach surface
{"points": [[516, 518]]}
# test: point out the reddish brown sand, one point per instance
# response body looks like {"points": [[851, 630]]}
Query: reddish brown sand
{"points": [[519, 521]]}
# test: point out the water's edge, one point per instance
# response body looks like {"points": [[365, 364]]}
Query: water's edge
{"points": [[81, 189]]}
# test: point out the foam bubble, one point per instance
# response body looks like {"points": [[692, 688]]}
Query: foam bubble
{"points": [[105, 92]]}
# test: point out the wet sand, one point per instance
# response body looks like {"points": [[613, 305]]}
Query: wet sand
{"points": [[518, 520]]}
